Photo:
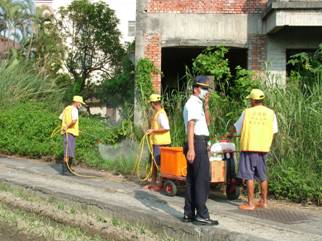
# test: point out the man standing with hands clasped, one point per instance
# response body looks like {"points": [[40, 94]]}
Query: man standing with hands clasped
{"points": [[256, 126], [196, 119]]}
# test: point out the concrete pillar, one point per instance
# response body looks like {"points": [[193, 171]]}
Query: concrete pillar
{"points": [[275, 63], [141, 17]]}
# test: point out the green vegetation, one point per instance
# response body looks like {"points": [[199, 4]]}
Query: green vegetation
{"points": [[307, 69], [35, 90], [53, 218], [144, 70], [119, 89], [26, 129], [19, 82], [294, 164], [42, 227], [15, 19], [95, 48]]}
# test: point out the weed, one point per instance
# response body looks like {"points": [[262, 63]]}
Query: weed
{"points": [[72, 211], [116, 222], [61, 206]]}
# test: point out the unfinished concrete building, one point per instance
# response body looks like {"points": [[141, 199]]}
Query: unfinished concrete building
{"points": [[261, 34]]}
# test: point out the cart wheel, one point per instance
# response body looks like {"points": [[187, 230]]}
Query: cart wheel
{"points": [[170, 188], [232, 192]]}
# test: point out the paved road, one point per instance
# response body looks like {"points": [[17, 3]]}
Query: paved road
{"points": [[161, 213]]}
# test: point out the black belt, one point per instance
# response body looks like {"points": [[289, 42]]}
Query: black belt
{"points": [[201, 138]]}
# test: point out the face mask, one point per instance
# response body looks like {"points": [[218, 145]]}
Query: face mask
{"points": [[203, 93]]}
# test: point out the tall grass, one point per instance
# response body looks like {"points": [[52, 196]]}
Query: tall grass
{"points": [[19, 81], [300, 123], [295, 161]]}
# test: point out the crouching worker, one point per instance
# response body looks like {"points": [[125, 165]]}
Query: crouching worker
{"points": [[256, 126], [159, 136], [70, 130]]}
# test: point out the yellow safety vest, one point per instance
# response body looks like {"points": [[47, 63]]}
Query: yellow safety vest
{"points": [[159, 139], [257, 130], [67, 120]]}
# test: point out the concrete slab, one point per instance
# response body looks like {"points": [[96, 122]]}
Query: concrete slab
{"points": [[129, 201]]}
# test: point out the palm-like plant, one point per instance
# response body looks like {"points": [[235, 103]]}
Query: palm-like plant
{"points": [[15, 19]]}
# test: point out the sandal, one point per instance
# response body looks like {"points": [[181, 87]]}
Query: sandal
{"points": [[246, 207], [260, 204], [155, 188], [150, 187], [147, 187]]}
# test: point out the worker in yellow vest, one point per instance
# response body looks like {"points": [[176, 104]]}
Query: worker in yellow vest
{"points": [[159, 133], [70, 130], [256, 127]]}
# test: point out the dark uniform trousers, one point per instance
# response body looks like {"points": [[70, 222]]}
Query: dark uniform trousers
{"points": [[198, 180]]}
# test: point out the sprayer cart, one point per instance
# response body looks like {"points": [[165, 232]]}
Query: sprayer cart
{"points": [[173, 171]]}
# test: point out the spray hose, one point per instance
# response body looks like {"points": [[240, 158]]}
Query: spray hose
{"points": [[145, 140], [57, 131], [149, 166]]}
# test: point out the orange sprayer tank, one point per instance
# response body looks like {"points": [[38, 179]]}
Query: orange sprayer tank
{"points": [[173, 162]]}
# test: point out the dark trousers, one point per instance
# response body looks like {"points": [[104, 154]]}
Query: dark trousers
{"points": [[64, 167], [198, 180]]}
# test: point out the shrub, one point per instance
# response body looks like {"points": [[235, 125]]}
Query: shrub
{"points": [[295, 184], [25, 130]]}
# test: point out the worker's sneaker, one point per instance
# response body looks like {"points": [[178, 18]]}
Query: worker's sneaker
{"points": [[205, 221], [63, 169], [187, 219]]}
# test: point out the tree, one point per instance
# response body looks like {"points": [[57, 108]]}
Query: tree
{"points": [[45, 46], [119, 90], [212, 62], [93, 42]]}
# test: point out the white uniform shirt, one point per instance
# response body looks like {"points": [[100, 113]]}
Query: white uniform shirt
{"points": [[163, 121], [239, 124], [74, 114], [193, 110]]}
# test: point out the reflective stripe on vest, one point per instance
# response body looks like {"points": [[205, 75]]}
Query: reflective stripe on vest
{"points": [[257, 130], [159, 139], [67, 120]]}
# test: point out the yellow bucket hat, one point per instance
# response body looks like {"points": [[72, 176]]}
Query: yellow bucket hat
{"points": [[79, 99], [155, 98], [256, 94]]}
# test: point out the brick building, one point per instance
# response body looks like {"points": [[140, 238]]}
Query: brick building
{"points": [[261, 34], [5, 45]]}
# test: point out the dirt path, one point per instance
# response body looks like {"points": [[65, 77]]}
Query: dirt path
{"points": [[127, 201]]}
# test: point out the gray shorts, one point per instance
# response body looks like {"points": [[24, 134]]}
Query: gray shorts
{"points": [[69, 145], [252, 165]]}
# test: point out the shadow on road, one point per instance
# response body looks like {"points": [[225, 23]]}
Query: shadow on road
{"points": [[57, 167], [156, 204]]}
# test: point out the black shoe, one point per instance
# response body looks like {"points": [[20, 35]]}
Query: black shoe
{"points": [[187, 219], [63, 169], [205, 221]]}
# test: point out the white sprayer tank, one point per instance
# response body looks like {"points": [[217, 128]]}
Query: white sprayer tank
{"points": [[218, 149]]}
